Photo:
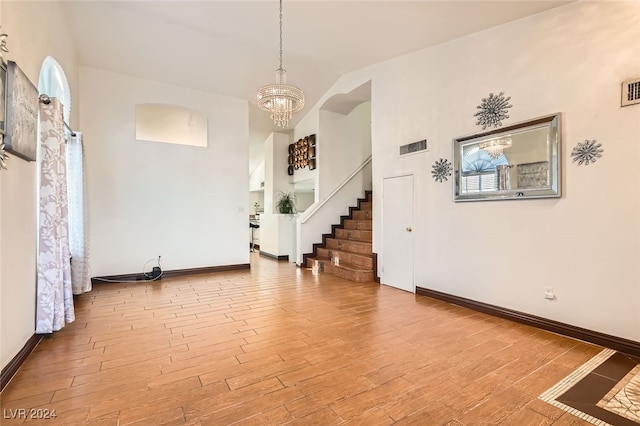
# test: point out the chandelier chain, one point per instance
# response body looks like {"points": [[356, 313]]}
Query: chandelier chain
{"points": [[280, 34], [280, 99]]}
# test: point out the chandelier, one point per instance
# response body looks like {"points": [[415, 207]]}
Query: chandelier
{"points": [[280, 99], [495, 147]]}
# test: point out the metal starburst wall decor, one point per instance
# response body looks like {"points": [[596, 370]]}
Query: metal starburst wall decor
{"points": [[493, 109], [587, 152], [3, 157], [441, 169]]}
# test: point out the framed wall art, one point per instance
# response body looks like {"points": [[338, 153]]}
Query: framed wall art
{"points": [[532, 175], [21, 114], [302, 153]]}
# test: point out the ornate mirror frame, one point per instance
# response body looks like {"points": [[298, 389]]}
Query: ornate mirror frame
{"points": [[519, 161]]}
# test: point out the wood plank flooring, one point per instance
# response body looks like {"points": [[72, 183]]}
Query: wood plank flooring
{"points": [[277, 345]]}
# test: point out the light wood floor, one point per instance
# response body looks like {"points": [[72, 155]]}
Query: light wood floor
{"points": [[277, 345]]}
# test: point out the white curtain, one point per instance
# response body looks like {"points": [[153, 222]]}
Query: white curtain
{"points": [[54, 299], [78, 217]]}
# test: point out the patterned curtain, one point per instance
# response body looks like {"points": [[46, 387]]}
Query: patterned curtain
{"points": [[78, 217], [54, 299]]}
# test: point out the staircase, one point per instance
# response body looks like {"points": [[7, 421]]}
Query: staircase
{"points": [[349, 243]]}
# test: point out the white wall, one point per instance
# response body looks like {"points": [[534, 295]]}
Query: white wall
{"points": [[277, 233], [343, 147], [305, 175], [256, 178], [343, 142], [335, 151], [36, 30], [188, 204], [585, 245], [304, 200]]}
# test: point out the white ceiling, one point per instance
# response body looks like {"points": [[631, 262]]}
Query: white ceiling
{"points": [[231, 47]]}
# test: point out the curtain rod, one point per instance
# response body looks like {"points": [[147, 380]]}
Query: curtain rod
{"points": [[46, 100]]}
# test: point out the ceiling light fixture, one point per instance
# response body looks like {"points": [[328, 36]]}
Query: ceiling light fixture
{"points": [[280, 99], [495, 147]]}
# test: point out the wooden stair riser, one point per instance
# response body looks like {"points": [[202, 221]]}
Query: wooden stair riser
{"points": [[354, 234], [339, 271], [365, 205], [351, 241], [360, 247], [363, 225], [350, 259], [357, 276], [361, 215]]}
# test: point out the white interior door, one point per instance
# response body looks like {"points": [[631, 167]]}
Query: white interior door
{"points": [[397, 232]]}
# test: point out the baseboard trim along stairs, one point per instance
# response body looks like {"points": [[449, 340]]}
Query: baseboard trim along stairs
{"points": [[347, 252]]}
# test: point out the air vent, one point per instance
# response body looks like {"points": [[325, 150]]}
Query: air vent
{"points": [[412, 148], [631, 92]]}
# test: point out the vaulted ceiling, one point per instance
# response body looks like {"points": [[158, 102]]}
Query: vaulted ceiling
{"points": [[231, 47]]}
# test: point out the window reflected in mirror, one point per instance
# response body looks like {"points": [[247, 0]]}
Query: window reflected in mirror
{"points": [[171, 124]]}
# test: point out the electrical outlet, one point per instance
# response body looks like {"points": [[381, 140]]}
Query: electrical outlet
{"points": [[548, 293]]}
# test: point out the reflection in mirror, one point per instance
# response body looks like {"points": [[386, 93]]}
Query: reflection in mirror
{"points": [[305, 194], [518, 161], [170, 124]]}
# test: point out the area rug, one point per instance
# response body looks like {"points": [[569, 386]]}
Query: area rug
{"points": [[603, 391]]}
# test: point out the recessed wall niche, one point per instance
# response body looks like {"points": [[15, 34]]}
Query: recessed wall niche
{"points": [[171, 124], [302, 153]]}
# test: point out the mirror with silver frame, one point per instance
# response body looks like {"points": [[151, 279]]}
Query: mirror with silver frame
{"points": [[514, 162]]}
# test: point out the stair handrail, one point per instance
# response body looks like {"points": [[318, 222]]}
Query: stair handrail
{"points": [[335, 191]]}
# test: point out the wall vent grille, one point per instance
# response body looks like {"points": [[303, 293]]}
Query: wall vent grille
{"points": [[631, 92], [412, 148]]}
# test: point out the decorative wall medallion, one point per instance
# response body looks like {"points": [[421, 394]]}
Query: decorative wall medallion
{"points": [[3, 45], [441, 169], [493, 110], [587, 152], [3, 157]]}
